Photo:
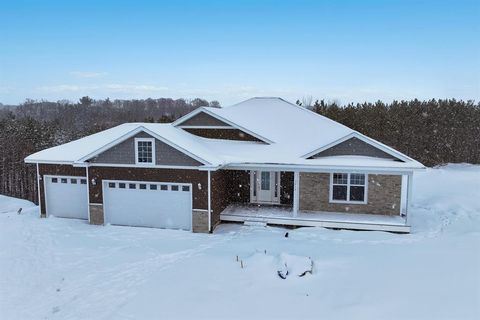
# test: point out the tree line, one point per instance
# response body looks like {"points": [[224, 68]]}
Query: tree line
{"points": [[434, 132]]}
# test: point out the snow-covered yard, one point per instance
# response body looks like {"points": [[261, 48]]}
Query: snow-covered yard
{"points": [[66, 269]]}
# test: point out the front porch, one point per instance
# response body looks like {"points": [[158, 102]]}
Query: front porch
{"points": [[284, 215]]}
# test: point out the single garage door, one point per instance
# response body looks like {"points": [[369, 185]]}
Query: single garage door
{"points": [[66, 197], [148, 204]]}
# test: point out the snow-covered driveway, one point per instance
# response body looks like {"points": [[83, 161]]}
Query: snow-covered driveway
{"points": [[66, 269]]}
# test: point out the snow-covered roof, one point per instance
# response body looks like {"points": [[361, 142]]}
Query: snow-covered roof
{"points": [[291, 133]]}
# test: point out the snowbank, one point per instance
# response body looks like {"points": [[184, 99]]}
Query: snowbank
{"points": [[66, 269]]}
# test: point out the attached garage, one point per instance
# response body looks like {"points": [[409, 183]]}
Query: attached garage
{"points": [[66, 196], [148, 204]]}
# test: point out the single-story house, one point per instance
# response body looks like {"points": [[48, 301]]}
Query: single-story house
{"points": [[261, 161]]}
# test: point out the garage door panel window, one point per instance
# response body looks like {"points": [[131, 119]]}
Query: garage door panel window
{"points": [[73, 181], [132, 186], [143, 186], [174, 188], [111, 184], [121, 185], [64, 180], [164, 187], [185, 188], [153, 187], [54, 180], [348, 188], [83, 181]]}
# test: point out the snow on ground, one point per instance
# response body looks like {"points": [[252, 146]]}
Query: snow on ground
{"points": [[66, 269]]}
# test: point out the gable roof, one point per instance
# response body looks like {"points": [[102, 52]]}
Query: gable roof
{"points": [[211, 111], [292, 134], [79, 151]]}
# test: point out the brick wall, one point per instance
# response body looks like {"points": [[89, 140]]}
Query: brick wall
{"points": [[384, 194]]}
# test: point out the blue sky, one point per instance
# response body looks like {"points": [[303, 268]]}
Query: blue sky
{"points": [[232, 50]]}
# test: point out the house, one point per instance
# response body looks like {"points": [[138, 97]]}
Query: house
{"points": [[261, 161]]}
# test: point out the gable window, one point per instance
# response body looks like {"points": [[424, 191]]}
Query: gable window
{"points": [[145, 151], [348, 188]]}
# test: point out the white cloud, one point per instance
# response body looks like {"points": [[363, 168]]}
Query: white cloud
{"points": [[87, 74], [133, 89]]}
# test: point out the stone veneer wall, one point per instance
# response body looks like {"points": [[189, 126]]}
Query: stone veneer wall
{"points": [[384, 195], [200, 221], [96, 214]]}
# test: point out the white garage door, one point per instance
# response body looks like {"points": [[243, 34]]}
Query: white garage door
{"points": [[66, 197], [148, 204]]}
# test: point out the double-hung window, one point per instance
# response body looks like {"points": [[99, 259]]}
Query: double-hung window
{"points": [[348, 188], [145, 151]]}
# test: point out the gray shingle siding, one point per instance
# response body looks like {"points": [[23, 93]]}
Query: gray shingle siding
{"points": [[124, 153], [203, 119], [356, 147]]}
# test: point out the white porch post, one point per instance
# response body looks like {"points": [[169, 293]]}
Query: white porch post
{"points": [[409, 196], [296, 192]]}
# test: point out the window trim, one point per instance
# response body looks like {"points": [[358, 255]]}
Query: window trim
{"points": [[145, 164], [365, 198]]}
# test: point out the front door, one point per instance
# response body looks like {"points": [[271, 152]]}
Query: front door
{"points": [[265, 187]]}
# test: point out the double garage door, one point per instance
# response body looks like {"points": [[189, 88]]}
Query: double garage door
{"points": [[148, 204], [128, 203]]}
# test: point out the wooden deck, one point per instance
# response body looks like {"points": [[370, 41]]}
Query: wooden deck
{"points": [[283, 215]]}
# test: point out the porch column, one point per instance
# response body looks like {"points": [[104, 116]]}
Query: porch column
{"points": [[296, 192], [409, 196]]}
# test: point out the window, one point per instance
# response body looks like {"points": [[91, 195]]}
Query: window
{"points": [[121, 185], [83, 181], [143, 186], [164, 187], [73, 181], [174, 188], [348, 187], [153, 187], [64, 180], [132, 186], [111, 184], [265, 180], [185, 188], [145, 151], [54, 180]]}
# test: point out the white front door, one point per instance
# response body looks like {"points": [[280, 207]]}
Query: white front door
{"points": [[265, 186]]}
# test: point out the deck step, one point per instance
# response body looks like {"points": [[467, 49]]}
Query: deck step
{"points": [[255, 222]]}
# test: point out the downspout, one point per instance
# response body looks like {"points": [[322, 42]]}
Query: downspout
{"points": [[88, 193], [38, 187], [209, 202]]}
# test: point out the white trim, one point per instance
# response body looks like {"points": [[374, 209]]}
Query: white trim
{"points": [[38, 191], [47, 161], [209, 203], [218, 117], [368, 140], [145, 164], [296, 192], [208, 127], [131, 134], [365, 197], [105, 182], [316, 168]]}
